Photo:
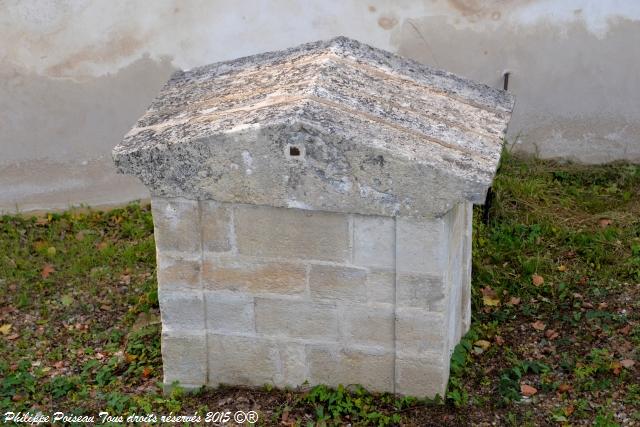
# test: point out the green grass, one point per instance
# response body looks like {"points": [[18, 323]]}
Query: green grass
{"points": [[79, 327]]}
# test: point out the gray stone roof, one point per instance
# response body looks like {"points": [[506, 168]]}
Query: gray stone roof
{"points": [[376, 133]]}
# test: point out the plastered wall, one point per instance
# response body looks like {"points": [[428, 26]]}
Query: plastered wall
{"points": [[75, 75]]}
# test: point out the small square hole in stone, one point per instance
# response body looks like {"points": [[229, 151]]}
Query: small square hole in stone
{"points": [[294, 151]]}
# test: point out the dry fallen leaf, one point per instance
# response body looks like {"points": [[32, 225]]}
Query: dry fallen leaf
{"points": [[490, 297], [562, 267], [47, 270], [551, 334], [527, 390], [538, 325], [604, 222], [537, 280], [625, 331], [564, 387], [499, 340], [5, 329], [616, 367], [146, 372], [514, 301], [483, 344], [569, 410], [627, 363]]}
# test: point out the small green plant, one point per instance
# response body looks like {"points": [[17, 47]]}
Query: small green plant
{"points": [[509, 383], [341, 406]]}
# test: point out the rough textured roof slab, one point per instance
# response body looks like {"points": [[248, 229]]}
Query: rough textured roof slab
{"points": [[376, 133]]}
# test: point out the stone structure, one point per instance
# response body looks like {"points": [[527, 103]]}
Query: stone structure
{"points": [[312, 212]]}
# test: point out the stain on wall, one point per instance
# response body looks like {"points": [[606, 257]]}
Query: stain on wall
{"points": [[75, 75]]}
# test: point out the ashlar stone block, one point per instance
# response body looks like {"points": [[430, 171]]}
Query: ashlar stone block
{"points": [[296, 319], [184, 358], [254, 276], [374, 242], [182, 310], [229, 312], [337, 283], [334, 365], [176, 225], [291, 233]]}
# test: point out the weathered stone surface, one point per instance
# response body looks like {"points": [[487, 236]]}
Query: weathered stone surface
{"points": [[254, 361], [182, 310], [216, 226], [229, 312], [253, 275], [333, 366], [420, 333], [381, 286], [184, 357], [291, 233], [296, 319], [339, 283], [421, 245], [420, 377], [176, 225], [420, 290], [176, 272], [368, 325], [374, 242], [370, 132]]}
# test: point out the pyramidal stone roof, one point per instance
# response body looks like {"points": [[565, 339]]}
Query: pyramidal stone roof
{"points": [[332, 125]]}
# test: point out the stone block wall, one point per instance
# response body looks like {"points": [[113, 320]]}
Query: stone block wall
{"points": [[255, 294]]}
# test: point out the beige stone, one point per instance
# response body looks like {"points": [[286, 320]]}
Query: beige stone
{"points": [[175, 272], [176, 225], [184, 358], [296, 319], [421, 291], [368, 325], [216, 226], [182, 310], [254, 361], [291, 233], [420, 333], [253, 276], [229, 312], [420, 377], [374, 241], [333, 282], [421, 245], [333, 366], [381, 286]]}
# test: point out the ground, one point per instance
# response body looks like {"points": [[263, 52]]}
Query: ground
{"points": [[555, 336]]}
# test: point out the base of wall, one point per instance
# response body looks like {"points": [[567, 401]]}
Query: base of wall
{"points": [[255, 295]]}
